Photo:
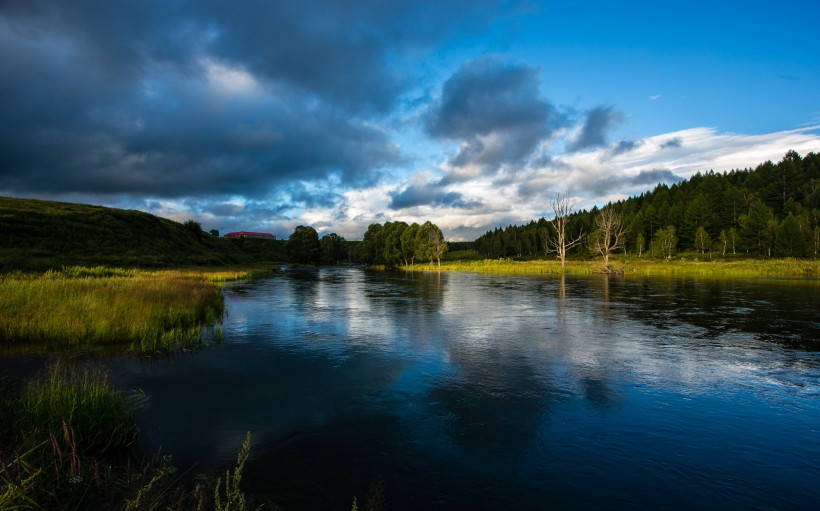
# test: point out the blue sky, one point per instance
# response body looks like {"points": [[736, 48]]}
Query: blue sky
{"points": [[266, 115]]}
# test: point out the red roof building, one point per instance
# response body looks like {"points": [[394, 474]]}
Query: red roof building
{"points": [[251, 235]]}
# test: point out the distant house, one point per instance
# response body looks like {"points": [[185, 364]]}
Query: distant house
{"points": [[250, 235]]}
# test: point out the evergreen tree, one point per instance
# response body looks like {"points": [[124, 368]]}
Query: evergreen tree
{"points": [[790, 241], [753, 229]]}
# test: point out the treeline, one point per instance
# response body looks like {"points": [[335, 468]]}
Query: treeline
{"points": [[771, 210], [391, 244]]}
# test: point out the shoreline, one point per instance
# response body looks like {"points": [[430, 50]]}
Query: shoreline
{"points": [[804, 269]]}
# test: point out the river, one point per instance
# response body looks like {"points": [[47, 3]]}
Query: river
{"points": [[468, 391]]}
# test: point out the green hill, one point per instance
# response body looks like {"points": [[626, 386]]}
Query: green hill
{"points": [[37, 235]]}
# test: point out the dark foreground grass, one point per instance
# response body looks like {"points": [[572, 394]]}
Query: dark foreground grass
{"points": [[81, 307], [62, 433], [67, 441]]}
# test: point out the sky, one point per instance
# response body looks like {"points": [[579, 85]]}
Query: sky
{"points": [[264, 115]]}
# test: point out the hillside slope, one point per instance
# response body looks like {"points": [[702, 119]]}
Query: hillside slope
{"points": [[37, 235]]}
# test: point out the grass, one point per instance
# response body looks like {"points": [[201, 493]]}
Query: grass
{"points": [[61, 432], [66, 442], [82, 401], [685, 265], [81, 307], [507, 266]]}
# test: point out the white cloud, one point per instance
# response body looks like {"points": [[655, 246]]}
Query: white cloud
{"points": [[599, 176]]}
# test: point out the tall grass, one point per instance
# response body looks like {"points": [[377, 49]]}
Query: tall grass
{"points": [[146, 310], [65, 443], [68, 426], [82, 401]]}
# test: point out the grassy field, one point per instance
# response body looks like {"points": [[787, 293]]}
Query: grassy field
{"points": [[683, 266], [146, 310]]}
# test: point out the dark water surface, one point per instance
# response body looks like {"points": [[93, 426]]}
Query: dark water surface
{"points": [[465, 391]]}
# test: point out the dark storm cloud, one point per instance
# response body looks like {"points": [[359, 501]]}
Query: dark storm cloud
{"points": [[599, 123], [496, 110], [116, 97], [429, 194]]}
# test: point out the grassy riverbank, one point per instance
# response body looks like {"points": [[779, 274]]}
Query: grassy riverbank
{"points": [[737, 268], [67, 438], [83, 308]]}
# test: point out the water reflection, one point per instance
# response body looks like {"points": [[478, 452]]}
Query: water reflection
{"points": [[468, 391]]}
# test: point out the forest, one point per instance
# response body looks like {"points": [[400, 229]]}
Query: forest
{"points": [[391, 244], [772, 210]]}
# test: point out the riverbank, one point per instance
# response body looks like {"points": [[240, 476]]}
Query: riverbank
{"points": [[68, 439], [737, 268], [90, 308]]}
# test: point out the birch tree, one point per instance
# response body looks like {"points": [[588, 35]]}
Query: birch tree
{"points": [[608, 235], [559, 240]]}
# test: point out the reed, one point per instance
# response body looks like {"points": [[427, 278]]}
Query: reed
{"points": [[146, 310]]}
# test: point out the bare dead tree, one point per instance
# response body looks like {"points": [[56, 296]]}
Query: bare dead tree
{"points": [[559, 240], [609, 234]]}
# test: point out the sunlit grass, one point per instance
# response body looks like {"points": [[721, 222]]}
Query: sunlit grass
{"points": [[781, 268], [146, 310], [746, 268], [508, 266]]}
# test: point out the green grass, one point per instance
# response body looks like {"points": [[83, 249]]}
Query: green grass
{"points": [[145, 310], [507, 266], [79, 400], [741, 268], [61, 432], [682, 266], [67, 442]]}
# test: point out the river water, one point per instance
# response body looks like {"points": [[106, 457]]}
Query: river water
{"points": [[467, 391]]}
